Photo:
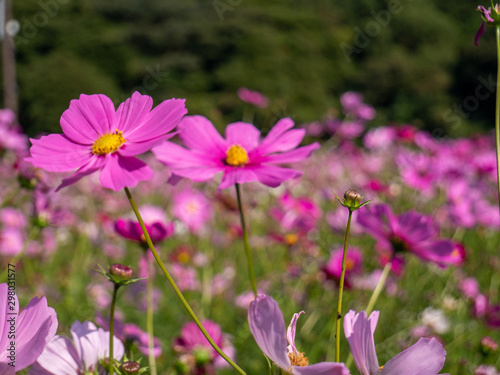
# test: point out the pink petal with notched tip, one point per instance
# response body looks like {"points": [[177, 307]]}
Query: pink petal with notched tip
{"points": [[358, 330], [88, 118], [132, 113], [426, 357], [36, 325], [161, 120], [198, 133], [120, 172], [243, 134], [57, 153], [268, 329]]}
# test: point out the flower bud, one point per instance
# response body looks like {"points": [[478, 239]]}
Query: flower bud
{"points": [[130, 367], [352, 197], [121, 272]]}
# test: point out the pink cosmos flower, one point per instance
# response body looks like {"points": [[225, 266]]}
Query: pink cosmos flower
{"points": [[242, 156], [296, 214], [427, 356], [96, 137], [90, 344], [155, 221], [192, 208], [333, 268], [268, 329], [411, 232], [252, 97], [352, 103], [34, 327], [192, 340]]}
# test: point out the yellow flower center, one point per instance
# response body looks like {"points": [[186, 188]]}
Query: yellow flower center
{"points": [[290, 239], [236, 156], [349, 264], [298, 359], [108, 143]]}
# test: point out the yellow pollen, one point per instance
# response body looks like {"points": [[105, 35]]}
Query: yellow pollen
{"points": [[455, 253], [108, 143], [183, 257], [290, 239], [236, 156], [298, 359], [380, 368], [349, 264]]}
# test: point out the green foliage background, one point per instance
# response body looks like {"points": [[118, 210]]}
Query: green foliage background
{"points": [[416, 67]]}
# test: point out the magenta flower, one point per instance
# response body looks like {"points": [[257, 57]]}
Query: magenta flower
{"points": [[155, 221], [490, 17], [33, 328], [192, 208], [253, 97], [333, 268], [98, 138], [296, 214], [90, 344], [268, 329], [242, 156], [427, 356], [411, 232], [192, 340]]}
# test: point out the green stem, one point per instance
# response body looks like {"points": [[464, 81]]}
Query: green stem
{"points": [[341, 289], [149, 318], [174, 286], [112, 329], [378, 288], [497, 114], [245, 242], [373, 299]]}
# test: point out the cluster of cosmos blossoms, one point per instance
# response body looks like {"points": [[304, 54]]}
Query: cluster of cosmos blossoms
{"points": [[98, 138]]}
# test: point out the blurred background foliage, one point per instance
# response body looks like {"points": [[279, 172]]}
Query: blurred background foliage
{"points": [[414, 60]]}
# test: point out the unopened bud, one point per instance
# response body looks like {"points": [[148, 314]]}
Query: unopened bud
{"points": [[202, 356], [121, 272], [352, 196], [130, 367]]}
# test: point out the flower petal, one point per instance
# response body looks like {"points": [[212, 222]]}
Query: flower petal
{"points": [[290, 333], [177, 157], [36, 325], [94, 164], [322, 368], [243, 134], [58, 357], [161, 120], [268, 329], [479, 33], [298, 154], [278, 139], [88, 118], [57, 153], [237, 175], [5, 309], [426, 357], [132, 113], [198, 133], [358, 330], [120, 172], [273, 176]]}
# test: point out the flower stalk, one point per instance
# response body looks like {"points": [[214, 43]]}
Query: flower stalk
{"points": [[245, 241], [112, 328], [174, 285], [497, 113], [149, 318]]}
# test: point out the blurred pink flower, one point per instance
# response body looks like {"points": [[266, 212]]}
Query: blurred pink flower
{"points": [[96, 137], [33, 328], [333, 267], [427, 356], [11, 241], [191, 339], [253, 97], [268, 329], [486, 370], [185, 277], [242, 156], [155, 221], [90, 344], [352, 103], [296, 214], [192, 208], [469, 287], [408, 232]]}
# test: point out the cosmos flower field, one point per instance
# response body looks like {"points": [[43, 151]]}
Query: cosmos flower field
{"points": [[430, 231]]}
